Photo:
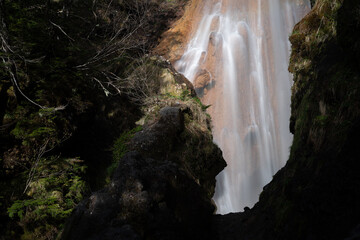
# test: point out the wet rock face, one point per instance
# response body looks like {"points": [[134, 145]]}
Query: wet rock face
{"points": [[151, 196], [316, 195]]}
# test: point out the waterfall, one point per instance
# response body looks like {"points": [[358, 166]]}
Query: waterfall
{"points": [[237, 60]]}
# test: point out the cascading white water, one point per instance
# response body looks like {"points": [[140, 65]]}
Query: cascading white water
{"points": [[238, 59]]}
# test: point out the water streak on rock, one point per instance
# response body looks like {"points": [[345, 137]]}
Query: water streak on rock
{"points": [[237, 60]]}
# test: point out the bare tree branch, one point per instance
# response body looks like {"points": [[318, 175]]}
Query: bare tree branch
{"points": [[8, 62], [62, 31]]}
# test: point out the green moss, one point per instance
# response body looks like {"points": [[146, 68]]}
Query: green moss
{"points": [[203, 107], [183, 96], [54, 189], [119, 149], [319, 134], [49, 41], [120, 144], [36, 126], [321, 120]]}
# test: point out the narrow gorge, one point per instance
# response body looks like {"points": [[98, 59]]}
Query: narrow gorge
{"points": [[180, 119], [236, 55]]}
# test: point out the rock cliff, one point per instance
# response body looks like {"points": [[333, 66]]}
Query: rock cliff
{"points": [[163, 171], [316, 195], [164, 182]]}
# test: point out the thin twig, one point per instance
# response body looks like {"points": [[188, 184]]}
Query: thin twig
{"points": [[62, 31], [41, 152]]}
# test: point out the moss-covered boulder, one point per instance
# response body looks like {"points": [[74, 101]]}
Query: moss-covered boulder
{"points": [[165, 179]]}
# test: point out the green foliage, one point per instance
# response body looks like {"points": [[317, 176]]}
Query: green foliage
{"points": [[120, 144], [320, 132], [321, 120], [203, 107], [41, 206], [184, 95], [58, 49], [34, 128], [120, 149], [52, 194]]}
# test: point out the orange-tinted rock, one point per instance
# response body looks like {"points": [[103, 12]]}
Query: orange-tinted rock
{"points": [[202, 80], [173, 42]]}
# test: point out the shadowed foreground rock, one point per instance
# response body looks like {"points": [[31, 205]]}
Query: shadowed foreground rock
{"points": [[152, 194]]}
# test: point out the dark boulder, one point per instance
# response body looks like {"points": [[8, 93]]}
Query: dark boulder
{"points": [[155, 198], [159, 137], [151, 195]]}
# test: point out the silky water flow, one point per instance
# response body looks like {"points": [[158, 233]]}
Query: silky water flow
{"points": [[237, 59]]}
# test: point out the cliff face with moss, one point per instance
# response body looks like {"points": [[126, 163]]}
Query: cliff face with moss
{"points": [[70, 84], [165, 175], [316, 195], [96, 132]]}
